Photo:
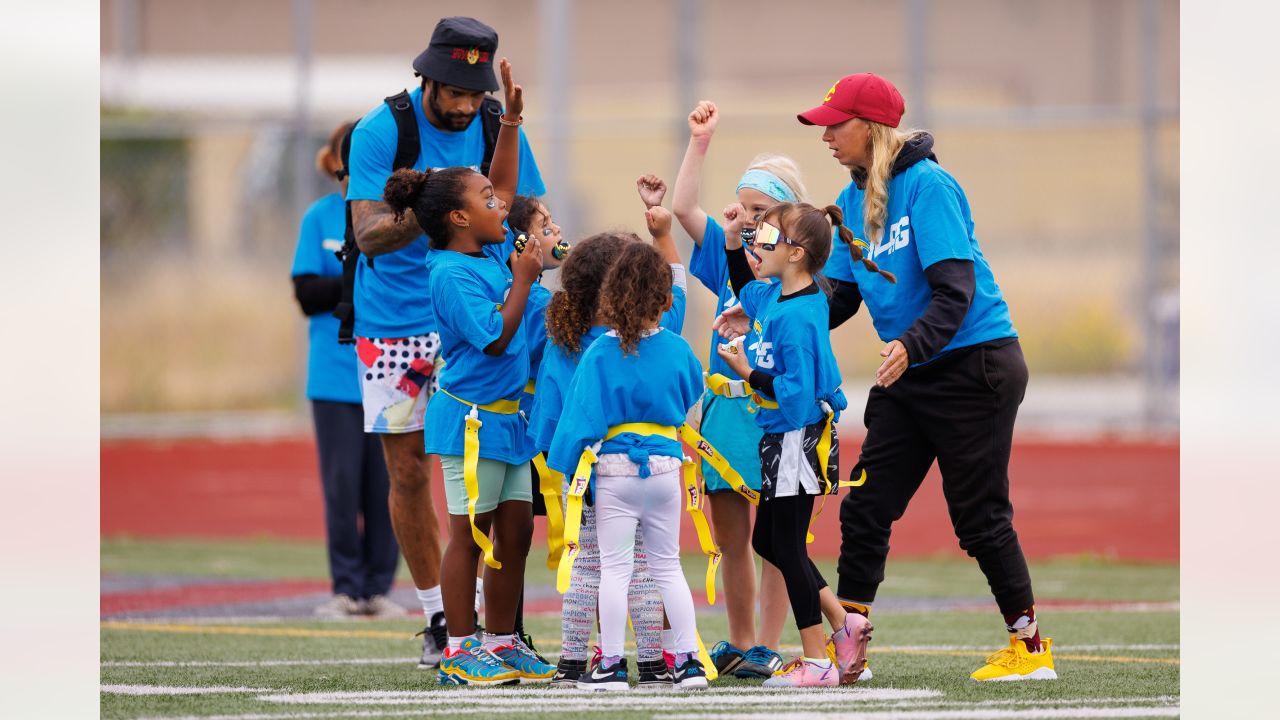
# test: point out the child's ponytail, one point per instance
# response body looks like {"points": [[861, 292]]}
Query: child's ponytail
{"points": [[431, 195], [836, 215]]}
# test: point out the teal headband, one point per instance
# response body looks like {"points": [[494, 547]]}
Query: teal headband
{"points": [[767, 183]]}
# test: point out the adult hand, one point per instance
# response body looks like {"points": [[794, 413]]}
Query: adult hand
{"points": [[658, 220], [732, 324], [703, 120], [735, 357], [528, 264], [515, 93], [895, 363], [652, 189]]}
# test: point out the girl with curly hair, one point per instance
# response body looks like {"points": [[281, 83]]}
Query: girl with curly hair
{"points": [[633, 387]]}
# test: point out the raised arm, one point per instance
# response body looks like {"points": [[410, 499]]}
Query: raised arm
{"points": [[525, 271], [504, 172], [684, 201]]}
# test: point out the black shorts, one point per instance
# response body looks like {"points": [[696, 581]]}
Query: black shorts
{"points": [[789, 463]]}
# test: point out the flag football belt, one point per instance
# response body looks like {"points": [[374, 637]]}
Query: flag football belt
{"points": [[530, 387], [824, 457], [471, 459], [724, 387], [549, 482], [693, 495]]}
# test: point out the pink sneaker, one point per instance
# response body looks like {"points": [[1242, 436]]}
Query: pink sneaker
{"points": [[851, 647], [801, 673]]}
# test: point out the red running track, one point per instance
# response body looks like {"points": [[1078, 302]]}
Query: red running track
{"points": [[1112, 498]]}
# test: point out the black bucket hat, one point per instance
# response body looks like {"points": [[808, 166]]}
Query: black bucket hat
{"points": [[461, 53]]}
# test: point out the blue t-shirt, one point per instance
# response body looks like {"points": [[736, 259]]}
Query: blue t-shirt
{"points": [[468, 293], [657, 383], [711, 267], [795, 348], [558, 365], [391, 297], [927, 221], [331, 368]]}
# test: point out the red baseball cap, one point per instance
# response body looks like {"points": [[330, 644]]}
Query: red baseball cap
{"points": [[864, 95]]}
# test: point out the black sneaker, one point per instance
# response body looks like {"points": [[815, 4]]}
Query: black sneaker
{"points": [[726, 657], [527, 639], [435, 638], [760, 663], [654, 675], [603, 678], [568, 672], [690, 675]]}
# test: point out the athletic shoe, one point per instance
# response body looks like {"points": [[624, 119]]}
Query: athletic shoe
{"points": [[473, 665], [520, 658], [435, 638], [691, 676], [1017, 663], [568, 672], [726, 657], [340, 607], [654, 675], [801, 673], [866, 671], [527, 639], [601, 679], [759, 662], [383, 607], [851, 647]]}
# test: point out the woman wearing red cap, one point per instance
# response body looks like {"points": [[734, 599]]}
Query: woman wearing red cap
{"points": [[953, 373]]}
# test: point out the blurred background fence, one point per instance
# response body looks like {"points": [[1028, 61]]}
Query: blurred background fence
{"points": [[1059, 119]]}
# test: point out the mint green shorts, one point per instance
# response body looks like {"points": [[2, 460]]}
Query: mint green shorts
{"points": [[498, 482]]}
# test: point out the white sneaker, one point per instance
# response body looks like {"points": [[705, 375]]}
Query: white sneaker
{"points": [[384, 607], [340, 607]]}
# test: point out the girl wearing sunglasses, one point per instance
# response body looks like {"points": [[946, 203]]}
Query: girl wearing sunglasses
{"points": [[796, 381]]}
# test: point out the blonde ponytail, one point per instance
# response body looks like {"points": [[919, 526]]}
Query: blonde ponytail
{"points": [[886, 142]]}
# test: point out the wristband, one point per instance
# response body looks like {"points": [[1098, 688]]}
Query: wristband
{"points": [[519, 121]]}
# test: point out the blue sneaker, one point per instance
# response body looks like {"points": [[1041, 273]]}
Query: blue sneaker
{"points": [[759, 663], [473, 665], [726, 657], [519, 657]]}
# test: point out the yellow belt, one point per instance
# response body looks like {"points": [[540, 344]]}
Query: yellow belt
{"points": [[549, 482], [724, 387], [693, 503], [471, 459], [530, 387]]}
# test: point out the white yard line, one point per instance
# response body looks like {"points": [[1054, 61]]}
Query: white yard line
{"points": [[551, 700], [971, 714], [168, 690]]}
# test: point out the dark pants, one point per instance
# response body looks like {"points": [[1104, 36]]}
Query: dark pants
{"points": [[778, 537], [362, 546], [959, 409]]}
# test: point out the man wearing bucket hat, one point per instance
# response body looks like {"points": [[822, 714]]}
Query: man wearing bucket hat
{"points": [[394, 324], [953, 374]]}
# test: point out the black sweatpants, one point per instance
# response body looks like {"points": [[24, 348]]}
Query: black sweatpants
{"points": [[778, 537], [960, 410], [362, 545]]}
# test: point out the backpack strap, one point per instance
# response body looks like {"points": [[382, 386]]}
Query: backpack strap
{"points": [[408, 144], [349, 255], [490, 113]]}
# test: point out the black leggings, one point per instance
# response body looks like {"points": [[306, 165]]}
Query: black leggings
{"points": [[778, 537]]}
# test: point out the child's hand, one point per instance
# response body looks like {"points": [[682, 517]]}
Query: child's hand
{"points": [[528, 264], [515, 93], [703, 120], [652, 189], [735, 217], [735, 357], [658, 219], [732, 323]]}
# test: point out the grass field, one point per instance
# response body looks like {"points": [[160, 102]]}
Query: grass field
{"points": [[1115, 628]]}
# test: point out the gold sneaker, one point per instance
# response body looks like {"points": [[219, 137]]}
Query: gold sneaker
{"points": [[1017, 663]]}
